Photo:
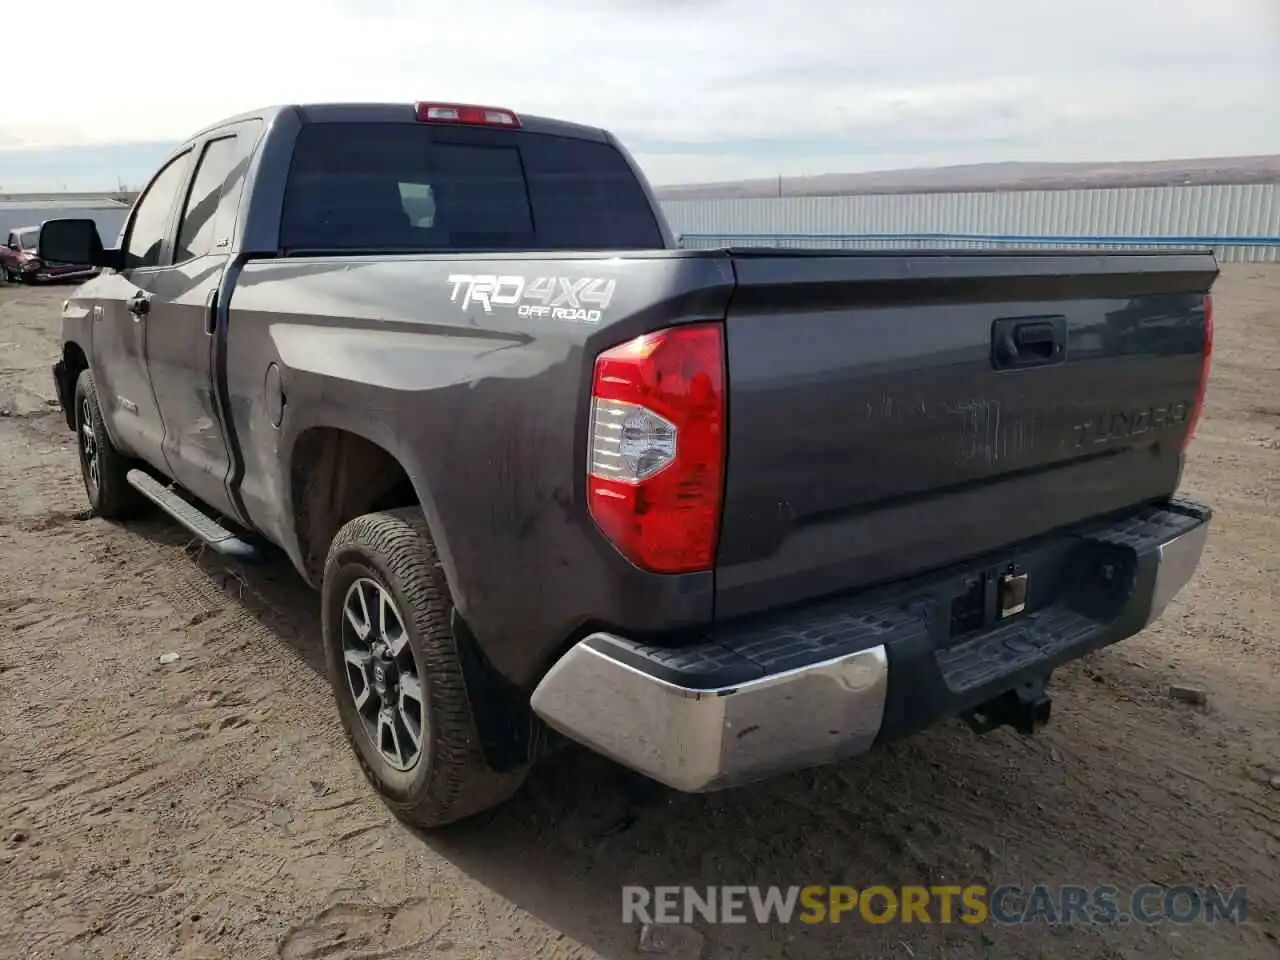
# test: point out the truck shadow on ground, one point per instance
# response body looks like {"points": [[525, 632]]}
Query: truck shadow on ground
{"points": [[943, 808]]}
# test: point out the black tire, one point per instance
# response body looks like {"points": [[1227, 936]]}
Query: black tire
{"points": [[109, 493], [450, 779]]}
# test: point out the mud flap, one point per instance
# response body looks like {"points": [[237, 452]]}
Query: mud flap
{"points": [[65, 392]]}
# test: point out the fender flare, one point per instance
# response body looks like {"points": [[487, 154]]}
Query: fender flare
{"points": [[380, 433]]}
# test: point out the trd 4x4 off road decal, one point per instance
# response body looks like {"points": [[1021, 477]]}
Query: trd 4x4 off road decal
{"points": [[572, 299]]}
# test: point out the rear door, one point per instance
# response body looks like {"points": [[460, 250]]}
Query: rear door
{"points": [[122, 314], [895, 413], [182, 335]]}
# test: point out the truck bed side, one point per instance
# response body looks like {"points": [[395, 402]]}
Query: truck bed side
{"points": [[485, 409]]}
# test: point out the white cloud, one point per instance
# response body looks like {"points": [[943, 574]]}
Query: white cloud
{"points": [[866, 85]]}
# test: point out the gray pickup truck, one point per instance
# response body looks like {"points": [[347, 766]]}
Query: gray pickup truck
{"points": [[715, 514]]}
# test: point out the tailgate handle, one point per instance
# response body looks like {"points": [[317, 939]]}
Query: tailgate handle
{"points": [[1035, 337], [1028, 341]]}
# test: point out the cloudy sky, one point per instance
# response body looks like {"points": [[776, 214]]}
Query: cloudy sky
{"points": [[699, 89]]}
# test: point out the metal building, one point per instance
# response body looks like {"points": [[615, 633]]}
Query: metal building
{"points": [[1241, 222], [28, 212]]}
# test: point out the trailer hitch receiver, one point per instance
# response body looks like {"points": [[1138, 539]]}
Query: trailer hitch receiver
{"points": [[1025, 708]]}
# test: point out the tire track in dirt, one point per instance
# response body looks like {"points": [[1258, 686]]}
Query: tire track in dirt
{"points": [[155, 579], [192, 758]]}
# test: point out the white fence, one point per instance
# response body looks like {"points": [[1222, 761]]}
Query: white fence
{"points": [[1240, 222]]}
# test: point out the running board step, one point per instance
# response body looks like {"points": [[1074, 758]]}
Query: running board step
{"points": [[201, 524]]}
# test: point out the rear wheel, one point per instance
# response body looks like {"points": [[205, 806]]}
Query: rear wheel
{"points": [[102, 466], [394, 668]]}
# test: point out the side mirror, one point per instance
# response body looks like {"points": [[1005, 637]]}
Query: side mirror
{"points": [[72, 241]]}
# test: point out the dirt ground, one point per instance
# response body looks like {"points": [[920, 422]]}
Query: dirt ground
{"points": [[208, 808]]}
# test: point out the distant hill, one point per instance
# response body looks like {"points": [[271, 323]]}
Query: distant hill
{"points": [[991, 177]]}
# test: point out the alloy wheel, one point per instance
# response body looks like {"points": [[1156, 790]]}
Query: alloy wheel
{"points": [[383, 675]]}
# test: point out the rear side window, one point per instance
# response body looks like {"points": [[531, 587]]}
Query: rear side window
{"points": [[195, 233], [370, 186]]}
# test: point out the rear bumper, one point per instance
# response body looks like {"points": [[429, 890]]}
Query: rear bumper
{"points": [[832, 680]]}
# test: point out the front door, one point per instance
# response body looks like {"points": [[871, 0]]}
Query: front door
{"points": [[121, 315]]}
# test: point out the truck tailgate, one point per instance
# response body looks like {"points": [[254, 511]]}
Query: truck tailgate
{"points": [[893, 413]]}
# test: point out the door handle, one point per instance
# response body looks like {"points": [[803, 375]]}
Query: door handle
{"points": [[139, 305], [1028, 341], [211, 312]]}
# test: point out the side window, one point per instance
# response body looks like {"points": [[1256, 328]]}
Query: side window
{"points": [[196, 232], [419, 204], [151, 218], [247, 134]]}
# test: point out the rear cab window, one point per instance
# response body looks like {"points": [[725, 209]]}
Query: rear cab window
{"points": [[413, 187]]}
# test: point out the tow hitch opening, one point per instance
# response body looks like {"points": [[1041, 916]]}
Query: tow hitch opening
{"points": [[1025, 708]]}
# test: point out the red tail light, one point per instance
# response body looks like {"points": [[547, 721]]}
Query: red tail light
{"points": [[655, 469], [1194, 419], [466, 113]]}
